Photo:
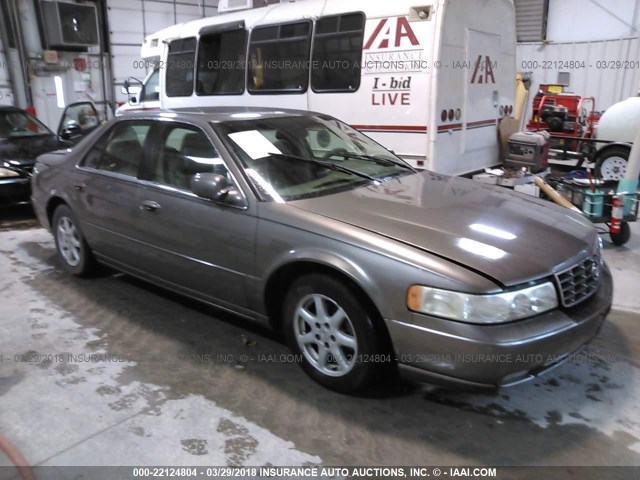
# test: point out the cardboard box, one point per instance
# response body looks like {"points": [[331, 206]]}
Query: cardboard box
{"points": [[486, 178], [528, 189]]}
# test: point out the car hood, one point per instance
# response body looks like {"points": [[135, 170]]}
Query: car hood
{"points": [[24, 150], [505, 236]]}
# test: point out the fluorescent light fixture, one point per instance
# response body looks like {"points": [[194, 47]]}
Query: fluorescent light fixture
{"points": [[57, 80]]}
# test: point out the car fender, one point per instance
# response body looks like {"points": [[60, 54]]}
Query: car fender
{"points": [[328, 259]]}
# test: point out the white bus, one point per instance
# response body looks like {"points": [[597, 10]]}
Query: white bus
{"points": [[429, 81]]}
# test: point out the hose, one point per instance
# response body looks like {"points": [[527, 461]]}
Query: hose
{"points": [[21, 463], [555, 196]]}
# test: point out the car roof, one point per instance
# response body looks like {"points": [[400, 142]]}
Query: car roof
{"points": [[221, 114], [10, 108]]}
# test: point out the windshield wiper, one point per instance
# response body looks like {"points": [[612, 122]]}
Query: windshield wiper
{"points": [[378, 160], [328, 165]]}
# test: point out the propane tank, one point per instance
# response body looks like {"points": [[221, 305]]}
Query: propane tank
{"points": [[620, 121]]}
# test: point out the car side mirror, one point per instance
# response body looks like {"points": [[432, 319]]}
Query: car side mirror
{"points": [[216, 187], [70, 132], [78, 119], [132, 86]]}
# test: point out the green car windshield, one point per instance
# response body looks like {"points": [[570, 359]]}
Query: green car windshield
{"points": [[291, 158], [16, 124]]}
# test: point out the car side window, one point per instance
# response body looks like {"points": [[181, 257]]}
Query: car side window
{"points": [[184, 152], [120, 151]]}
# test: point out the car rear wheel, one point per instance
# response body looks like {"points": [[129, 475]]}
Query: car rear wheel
{"points": [[332, 332], [72, 248]]}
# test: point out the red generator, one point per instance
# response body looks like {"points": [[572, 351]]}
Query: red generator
{"points": [[565, 116]]}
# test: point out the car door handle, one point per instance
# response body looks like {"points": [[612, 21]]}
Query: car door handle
{"points": [[79, 186], [150, 206]]}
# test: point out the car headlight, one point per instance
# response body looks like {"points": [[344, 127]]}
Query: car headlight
{"points": [[8, 173], [483, 309]]}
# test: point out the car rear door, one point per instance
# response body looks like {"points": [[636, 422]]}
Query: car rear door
{"points": [[204, 248]]}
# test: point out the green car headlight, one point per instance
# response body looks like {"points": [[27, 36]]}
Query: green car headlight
{"points": [[483, 309]]}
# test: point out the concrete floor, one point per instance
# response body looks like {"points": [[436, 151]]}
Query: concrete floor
{"points": [[173, 382]]}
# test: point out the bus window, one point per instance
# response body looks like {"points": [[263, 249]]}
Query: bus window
{"points": [[337, 51], [221, 60], [279, 58], [151, 89], [180, 63]]}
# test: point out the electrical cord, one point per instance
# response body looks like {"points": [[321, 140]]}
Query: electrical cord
{"points": [[21, 463]]}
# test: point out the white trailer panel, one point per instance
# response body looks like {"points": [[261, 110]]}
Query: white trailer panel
{"points": [[435, 78]]}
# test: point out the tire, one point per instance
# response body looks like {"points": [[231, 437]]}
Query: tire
{"points": [[612, 164], [623, 236], [73, 251], [353, 356]]}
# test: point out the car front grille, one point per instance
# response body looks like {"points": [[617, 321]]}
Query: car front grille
{"points": [[580, 281]]}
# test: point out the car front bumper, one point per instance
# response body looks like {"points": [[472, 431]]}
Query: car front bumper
{"points": [[456, 354], [15, 190]]}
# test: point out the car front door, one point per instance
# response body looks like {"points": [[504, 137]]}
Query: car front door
{"points": [[106, 187], [78, 120], [202, 247]]}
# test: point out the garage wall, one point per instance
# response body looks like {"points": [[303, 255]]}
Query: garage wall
{"points": [[611, 69], [131, 20], [12, 82], [531, 20], [587, 20], [6, 96]]}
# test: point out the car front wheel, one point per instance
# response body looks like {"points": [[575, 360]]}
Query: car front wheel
{"points": [[332, 332], [72, 248]]}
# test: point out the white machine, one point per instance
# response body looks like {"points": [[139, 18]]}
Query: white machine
{"points": [[430, 80], [619, 124]]}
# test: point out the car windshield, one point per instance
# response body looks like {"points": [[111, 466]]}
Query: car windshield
{"points": [[15, 124], [290, 158]]}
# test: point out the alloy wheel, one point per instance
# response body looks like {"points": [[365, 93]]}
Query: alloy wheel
{"points": [[325, 334], [69, 241]]}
